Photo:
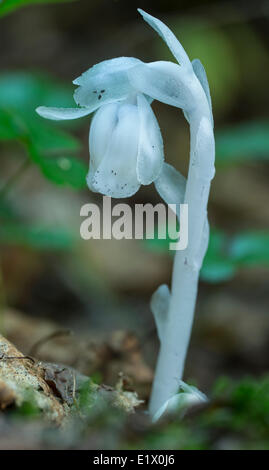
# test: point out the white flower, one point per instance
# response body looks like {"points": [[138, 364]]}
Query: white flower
{"points": [[126, 147]]}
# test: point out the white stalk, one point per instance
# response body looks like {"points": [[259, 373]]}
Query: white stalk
{"points": [[120, 91], [187, 264]]}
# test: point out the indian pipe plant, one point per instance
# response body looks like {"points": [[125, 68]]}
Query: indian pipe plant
{"points": [[126, 150]]}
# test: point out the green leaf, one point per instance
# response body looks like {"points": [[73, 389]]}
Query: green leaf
{"points": [[217, 265], [205, 40], [6, 210], [250, 249], [11, 126], [226, 255], [41, 238], [48, 139], [65, 171], [246, 142], [218, 270], [7, 6], [24, 91], [20, 94]]}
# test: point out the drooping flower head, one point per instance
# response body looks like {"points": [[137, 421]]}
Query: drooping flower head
{"points": [[126, 148]]}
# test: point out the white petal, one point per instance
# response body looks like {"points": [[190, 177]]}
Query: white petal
{"points": [[109, 66], [150, 149], [104, 83], [58, 114], [116, 176], [169, 37], [171, 185], [163, 81], [201, 75], [102, 126]]}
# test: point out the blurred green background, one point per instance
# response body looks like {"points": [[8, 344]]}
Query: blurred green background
{"points": [[104, 286]]}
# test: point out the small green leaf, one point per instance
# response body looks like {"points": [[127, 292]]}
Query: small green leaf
{"points": [[65, 171], [24, 91], [11, 126], [218, 270], [20, 94], [217, 265], [246, 142], [250, 248], [49, 139]]}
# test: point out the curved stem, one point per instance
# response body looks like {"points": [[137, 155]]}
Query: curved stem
{"points": [[187, 263]]}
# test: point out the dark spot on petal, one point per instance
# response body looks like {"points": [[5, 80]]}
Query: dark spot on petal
{"points": [[99, 97], [102, 91]]}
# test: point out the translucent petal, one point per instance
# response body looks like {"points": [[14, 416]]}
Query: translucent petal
{"points": [[169, 37], [171, 185], [163, 81], [115, 175], [201, 75], [118, 64], [59, 114], [102, 126], [150, 149], [104, 83]]}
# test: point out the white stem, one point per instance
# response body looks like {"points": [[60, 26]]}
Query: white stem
{"points": [[187, 264]]}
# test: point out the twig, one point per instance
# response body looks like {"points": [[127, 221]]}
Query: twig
{"points": [[45, 339], [8, 358]]}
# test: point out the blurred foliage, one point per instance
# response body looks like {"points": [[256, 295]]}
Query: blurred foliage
{"points": [[8, 6], [226, 254], [65, 170], [46, 144], [36, 237], [243, 143], [202, 40], [231, 66]]}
